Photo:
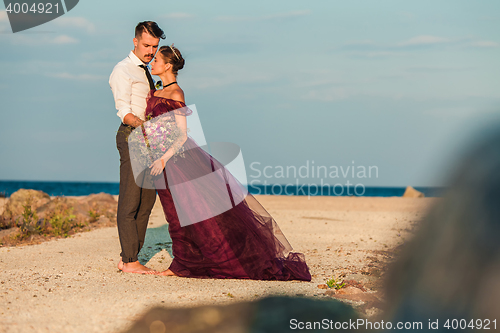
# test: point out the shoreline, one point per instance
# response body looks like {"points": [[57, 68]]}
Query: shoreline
{"points": [[75, 188]]}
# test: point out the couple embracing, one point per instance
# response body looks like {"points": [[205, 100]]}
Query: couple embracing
{"points": [[241, 242]]}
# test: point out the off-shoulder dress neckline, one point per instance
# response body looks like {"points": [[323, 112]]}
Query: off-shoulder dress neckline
{"points": [[153, 95]]}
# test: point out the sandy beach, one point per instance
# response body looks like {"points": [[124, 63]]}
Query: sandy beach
{"points": [[73, 285]]}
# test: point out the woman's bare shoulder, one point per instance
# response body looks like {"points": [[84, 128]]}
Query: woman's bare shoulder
{"points": [[177, 95]]}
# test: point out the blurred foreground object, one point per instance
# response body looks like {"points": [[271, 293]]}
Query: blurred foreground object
{"points": [[451, 269], [271, 314]]}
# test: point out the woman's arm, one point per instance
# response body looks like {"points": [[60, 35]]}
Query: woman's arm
{"points": [[159, 164]]}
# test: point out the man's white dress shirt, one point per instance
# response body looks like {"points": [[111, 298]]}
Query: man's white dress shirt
{"points": [[130, 87]]}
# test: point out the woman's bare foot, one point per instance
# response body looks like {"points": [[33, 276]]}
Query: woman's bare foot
{"points": [[135, 267], [168, 272]]}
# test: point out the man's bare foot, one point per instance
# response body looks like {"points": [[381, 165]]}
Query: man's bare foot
{"points": [[120, 265], [135, 267], [168, 272]]}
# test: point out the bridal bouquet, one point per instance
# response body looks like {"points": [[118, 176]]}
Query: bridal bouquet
{"points": [[150, 141]]}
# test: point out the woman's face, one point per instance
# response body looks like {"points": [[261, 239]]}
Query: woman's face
{"points": [[158, 65]]}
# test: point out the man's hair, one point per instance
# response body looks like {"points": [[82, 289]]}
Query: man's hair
{"points": [[149, 27]]}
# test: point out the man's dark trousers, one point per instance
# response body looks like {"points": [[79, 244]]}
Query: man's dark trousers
{"points": [[134, 202]]}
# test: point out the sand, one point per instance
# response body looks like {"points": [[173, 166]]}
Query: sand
{"points": [[73, 285]]}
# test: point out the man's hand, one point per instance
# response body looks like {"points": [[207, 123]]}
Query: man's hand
{"points": [[132, 120]]}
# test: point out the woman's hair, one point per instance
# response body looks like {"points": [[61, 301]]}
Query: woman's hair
{"points": [[172, 55]]}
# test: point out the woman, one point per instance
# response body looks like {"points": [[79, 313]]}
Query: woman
{"points": [[242, 241]]}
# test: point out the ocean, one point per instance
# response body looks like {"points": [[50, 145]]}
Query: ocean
{"points": [[7, 187]]}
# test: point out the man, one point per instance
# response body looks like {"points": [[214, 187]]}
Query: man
{"points": [[130, 82]]}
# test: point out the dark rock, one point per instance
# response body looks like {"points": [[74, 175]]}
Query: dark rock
{"points": [[14, 207], [59, 216], [410, 192], [82, 207], [8, 232], [100, 199], [62, 204], [102, 204]]}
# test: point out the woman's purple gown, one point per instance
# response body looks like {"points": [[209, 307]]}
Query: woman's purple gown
{"points": [[243, 242]]}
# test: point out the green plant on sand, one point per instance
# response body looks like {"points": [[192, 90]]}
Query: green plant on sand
{"points": [[332, 283], [62, 221], [28, 225], [94, 214], [58, 222]]}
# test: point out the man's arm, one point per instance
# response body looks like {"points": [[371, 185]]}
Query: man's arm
{"points": [[132, 120], [121, 86]]}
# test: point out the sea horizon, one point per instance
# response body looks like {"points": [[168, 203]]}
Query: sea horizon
{"points": [[82, 188]]}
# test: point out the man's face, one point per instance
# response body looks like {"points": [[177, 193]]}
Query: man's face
{"points": [[146, 47]]}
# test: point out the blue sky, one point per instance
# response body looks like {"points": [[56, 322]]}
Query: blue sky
{"points": [[399, 85]]}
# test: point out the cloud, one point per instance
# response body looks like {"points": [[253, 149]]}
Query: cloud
{"points": [[383, 54], [372, 49], [328, 94], [452, 111], [424, 40], [485, 43], [75, 22], [74, 77], [370, 45], [490, 18], [438, 69], [40, 39], [101, 54], [362, 45], [293, 14], [407, 16], [63, 39], [321, 82], [215, 76], [65, 22], [178, 16]]}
